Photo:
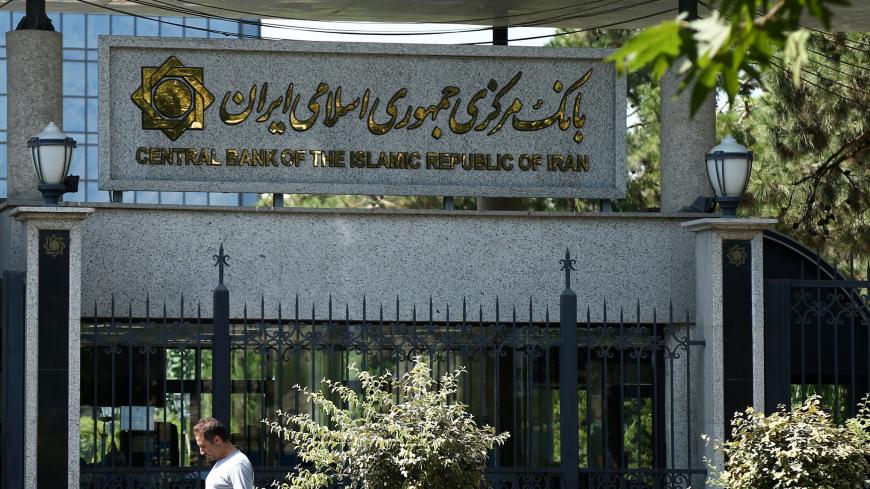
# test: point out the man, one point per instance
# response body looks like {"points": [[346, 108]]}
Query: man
{"points": [[232, 469]]}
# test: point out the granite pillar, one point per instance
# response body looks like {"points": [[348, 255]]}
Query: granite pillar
{"points": [[714, 241], [52, 249], [35, 86], [684, 140]]}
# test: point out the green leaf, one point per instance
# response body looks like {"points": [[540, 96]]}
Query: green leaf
{"points": [[795, 53], [652, 44]]}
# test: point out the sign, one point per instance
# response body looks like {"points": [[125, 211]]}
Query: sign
{"points": [[335, 118]]}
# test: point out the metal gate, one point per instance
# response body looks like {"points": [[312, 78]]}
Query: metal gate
{"points": [[608, 398], [817, 330]]}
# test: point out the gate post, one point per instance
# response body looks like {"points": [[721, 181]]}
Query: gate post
{"points": [[51, 241], [569, 437], [221, 358], [729, 310]]}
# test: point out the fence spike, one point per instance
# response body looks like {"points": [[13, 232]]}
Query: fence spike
{"points": [[364, 307], [567, 265]]}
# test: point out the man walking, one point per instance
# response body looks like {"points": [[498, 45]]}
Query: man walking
{"points": [[232, 469]]}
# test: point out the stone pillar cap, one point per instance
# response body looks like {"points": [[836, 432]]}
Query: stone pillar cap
{"points": [[728, 224], [48, 212]]}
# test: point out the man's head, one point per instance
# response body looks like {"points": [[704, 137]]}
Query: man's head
{"points": [[212, 439]]}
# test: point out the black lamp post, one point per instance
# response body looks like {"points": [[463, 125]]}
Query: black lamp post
{"points": [[35, 17], [729, 165], [52, 153]]}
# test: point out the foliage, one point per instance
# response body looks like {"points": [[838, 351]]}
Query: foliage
{"points": [[740, 37], [802, 448], [400, 433], [811, 146]]}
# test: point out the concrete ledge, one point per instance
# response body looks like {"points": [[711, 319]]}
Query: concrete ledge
{"points": [[728, 224]]}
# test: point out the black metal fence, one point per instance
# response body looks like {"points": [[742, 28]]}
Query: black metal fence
{"points": [[588, 403], [817, 338]]}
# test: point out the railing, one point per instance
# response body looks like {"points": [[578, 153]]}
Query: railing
{"points": [[147, 378]]}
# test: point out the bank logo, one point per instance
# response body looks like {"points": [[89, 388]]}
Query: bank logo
{"points": [[172, 98]]}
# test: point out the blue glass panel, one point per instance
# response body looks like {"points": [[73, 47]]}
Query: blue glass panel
{"points": [[201, 26], [93, 162], [3, 188], [74, 196], [16, 18], [147, 27], [169, 30], [73, 30], [223, 26], [3, 76], [95, 194], [196, 198], [55, 18], [147, 197], [73, 54], [98, 25], [73, 78], [5, 25], [73, 114], [3, 52], [93, 79], [93, 115], [123, 25], [172, 198], [77, 166], [223, 199], [3, 169], [3, 112], [250, 199]]}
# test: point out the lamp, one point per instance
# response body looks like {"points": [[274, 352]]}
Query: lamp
{"points": [[728, 167], [52, 153]]}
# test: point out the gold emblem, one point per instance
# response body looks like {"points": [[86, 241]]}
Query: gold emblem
{"points": [[172, 98], [737, 255], [54, 246]]}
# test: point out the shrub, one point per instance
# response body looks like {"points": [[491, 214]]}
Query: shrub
{"points": [[373, 441], [802, 448]]}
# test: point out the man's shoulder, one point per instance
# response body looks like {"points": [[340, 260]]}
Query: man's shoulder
{"points": [[239, 457]]}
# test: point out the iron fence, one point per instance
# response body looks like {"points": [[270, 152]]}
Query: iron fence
{"points": [[588, 403], [820, 326]]}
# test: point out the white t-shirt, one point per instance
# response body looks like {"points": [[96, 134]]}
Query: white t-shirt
{"points": [[231, 472]]}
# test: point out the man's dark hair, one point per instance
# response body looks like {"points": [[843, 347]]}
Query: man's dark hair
{"points": [[210, 428]]}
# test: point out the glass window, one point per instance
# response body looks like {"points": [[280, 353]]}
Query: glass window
{"points": [[72, 27]]}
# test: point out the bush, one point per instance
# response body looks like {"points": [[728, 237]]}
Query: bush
{"points": [[803, 448], [374, 442]]}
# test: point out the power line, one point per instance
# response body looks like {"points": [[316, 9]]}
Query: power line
{"points": [[582, 13], [454, 21], [820, 87], [565, 33], [7, 2]]}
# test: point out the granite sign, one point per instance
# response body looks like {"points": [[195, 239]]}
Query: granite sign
{"points": [[292, 117]]}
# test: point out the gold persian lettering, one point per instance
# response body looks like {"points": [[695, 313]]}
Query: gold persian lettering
{"points": [[237, 118], [413, 116]]}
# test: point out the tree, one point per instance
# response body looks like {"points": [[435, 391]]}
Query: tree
{"points": [[811, 144], [741, 36], [397, 433]]}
